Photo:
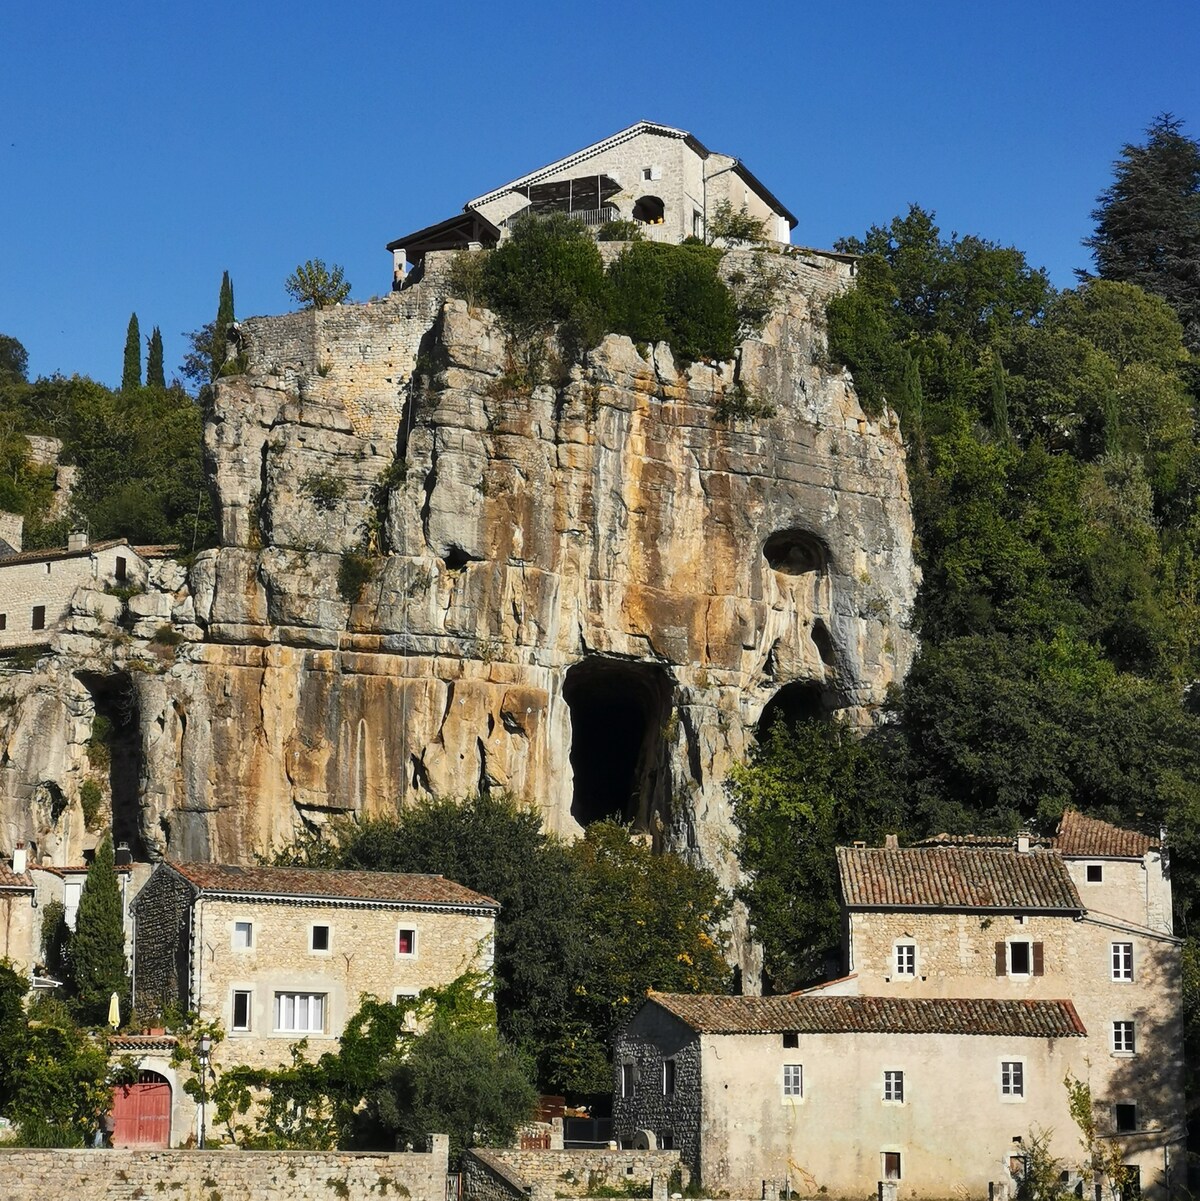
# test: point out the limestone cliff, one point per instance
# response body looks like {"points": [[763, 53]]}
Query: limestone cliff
{"points": [[588, 595]]}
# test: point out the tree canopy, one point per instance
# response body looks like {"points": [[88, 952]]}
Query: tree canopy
{"points": [[312, 285]]}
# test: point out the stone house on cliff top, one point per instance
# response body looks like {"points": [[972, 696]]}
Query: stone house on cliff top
{"points": [[664, 179], [980, 973]]}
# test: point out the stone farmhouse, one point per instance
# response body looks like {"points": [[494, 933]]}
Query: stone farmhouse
{"points": [[980, 973], [663, 178], [277, 955]]}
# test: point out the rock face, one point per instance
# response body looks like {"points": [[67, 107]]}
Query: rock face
{"points": [[589, 595]]}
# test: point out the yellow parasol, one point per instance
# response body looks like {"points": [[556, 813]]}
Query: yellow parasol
{"points": [[114, 1011]]}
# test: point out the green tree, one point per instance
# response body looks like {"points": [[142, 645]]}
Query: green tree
{"points": [[14, 361], [97, 963], [131, 371], [155, 377], [13, 987], [737, 227], [312, 285], [1148, 221], [220, 330]]}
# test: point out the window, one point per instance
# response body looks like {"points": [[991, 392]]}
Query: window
{"points": [[893, 1086], [1122, 961], [890, 1165], [697, 223], [300, 1013], [406, 942], [320, 938], [1123, 1043], [793, 1080], [1020, 958], [241, 1010], [39, 617], [628, 1080], [647, 173], [1012, 1078], [1095, 873], [791, 1040], [3, 621], [906, 959], [1125, 1117], [121, 569], [666, 1141], [243, 935], [668, 1077]]}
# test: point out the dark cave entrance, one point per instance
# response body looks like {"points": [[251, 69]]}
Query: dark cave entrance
{"points": [[618, 712], [802, 700], [117, 737]]}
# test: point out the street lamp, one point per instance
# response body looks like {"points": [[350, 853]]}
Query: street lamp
{"points": [[203, 1048]]}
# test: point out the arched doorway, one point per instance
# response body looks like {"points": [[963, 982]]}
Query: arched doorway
{"points": [[649, 210], [142, 1112]]}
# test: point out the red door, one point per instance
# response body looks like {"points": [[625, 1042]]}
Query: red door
{"points": [[142, 1112]]}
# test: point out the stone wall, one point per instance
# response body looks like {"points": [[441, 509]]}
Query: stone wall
{"points": [[32, 1175], [502, 1175], [161, 941]]}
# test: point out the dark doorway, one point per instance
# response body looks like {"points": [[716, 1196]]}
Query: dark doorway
{"points": [[618, 712], [800, 701], [649, 210], [117, 736]]}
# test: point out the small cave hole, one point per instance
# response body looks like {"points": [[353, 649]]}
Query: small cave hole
{"points": [[800, 701], [117, 737], [823, 641], [795, 552], [618, 713], [456, 558]]}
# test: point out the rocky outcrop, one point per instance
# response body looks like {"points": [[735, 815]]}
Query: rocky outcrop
{"points": [[588, 595]]}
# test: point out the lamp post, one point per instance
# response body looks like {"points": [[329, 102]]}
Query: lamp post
{"points": [[203, 1048]]}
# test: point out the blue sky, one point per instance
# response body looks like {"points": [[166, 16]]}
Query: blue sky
{"points": [[147, 147]]}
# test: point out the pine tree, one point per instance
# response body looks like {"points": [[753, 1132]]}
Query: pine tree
{"points": [[225, 318], [1148, 222], [131, 373], [97, 957], [155, 376]]}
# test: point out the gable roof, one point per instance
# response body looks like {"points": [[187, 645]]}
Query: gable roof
{"points": [[808, 1014], [224, 879], [56, 553], [11, 880], [955, 877], [1090, 838]]}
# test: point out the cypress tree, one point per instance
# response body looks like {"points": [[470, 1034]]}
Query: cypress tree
{"points": [[98, 946], [225, 318], [131, 373], [155, 376]]}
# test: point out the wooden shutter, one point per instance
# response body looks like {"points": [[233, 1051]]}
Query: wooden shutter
{"points": [[1001, 960], [1039, 959]]}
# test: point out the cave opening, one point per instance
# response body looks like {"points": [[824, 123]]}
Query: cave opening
{"points": [[619, 710], [795, 552], [115, 747], [802, 700]]}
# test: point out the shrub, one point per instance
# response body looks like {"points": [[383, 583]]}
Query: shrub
{"points": [[664, 293], [465, 277], [619, 231], [324, 489], [167, 635], [99, 753], [740, 404], [736, 226], [314, 286], [91, 797], [355, 572]]}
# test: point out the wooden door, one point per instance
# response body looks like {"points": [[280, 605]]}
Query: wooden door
{"points": [[142, 1112]]}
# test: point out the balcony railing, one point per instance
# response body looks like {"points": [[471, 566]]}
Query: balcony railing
{"points": [[590, 217]]}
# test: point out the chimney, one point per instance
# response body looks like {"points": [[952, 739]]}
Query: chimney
{"points": [[1023, 844], [890, 842], [77, 540], [123, 855], [20, 859]]}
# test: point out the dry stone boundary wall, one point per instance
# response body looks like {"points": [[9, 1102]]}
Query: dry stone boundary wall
{"points": [[511, 1175]]}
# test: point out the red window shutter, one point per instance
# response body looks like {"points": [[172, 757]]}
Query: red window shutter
{"points": [[1001, 961], [1039, 959]]}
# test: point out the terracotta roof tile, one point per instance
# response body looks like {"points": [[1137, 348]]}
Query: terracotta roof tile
{"points": [[1091, 838], [807, 1014], [955, 878], [1007, 841], [53, 554], [391, 887], [10, 879], [142, 1042]]}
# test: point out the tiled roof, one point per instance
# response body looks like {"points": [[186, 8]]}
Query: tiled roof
{"points": [[142, 1042], [976, 840], [10, 879], [1089, 837], [955, 878], [390, 887], [806, 1014], [53, 554]]}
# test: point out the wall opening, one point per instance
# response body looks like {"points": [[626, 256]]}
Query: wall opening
{"points": [[802, 700], [618, 713], [795, 552], [117, 735], [649, 210]]}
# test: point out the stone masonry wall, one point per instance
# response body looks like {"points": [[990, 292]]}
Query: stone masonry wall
{"points": [[496, 1175], [32, 1175], [161, 939]]}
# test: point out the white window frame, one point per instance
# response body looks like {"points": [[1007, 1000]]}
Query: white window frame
{"points": [[883, 1165], [793, 1082], [1008, 949], [893, 1086], [899, 967], [1088, 868], [234, 993], [1121, 963], [281, 1004], [669, 1069], [235, 929], [1124, 1037], [1012, 1079], [628, 1078], [416, 942], [312, 927]]}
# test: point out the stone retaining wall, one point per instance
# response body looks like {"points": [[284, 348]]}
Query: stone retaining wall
{"points": [[33, 1175], [506, 1175]]}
